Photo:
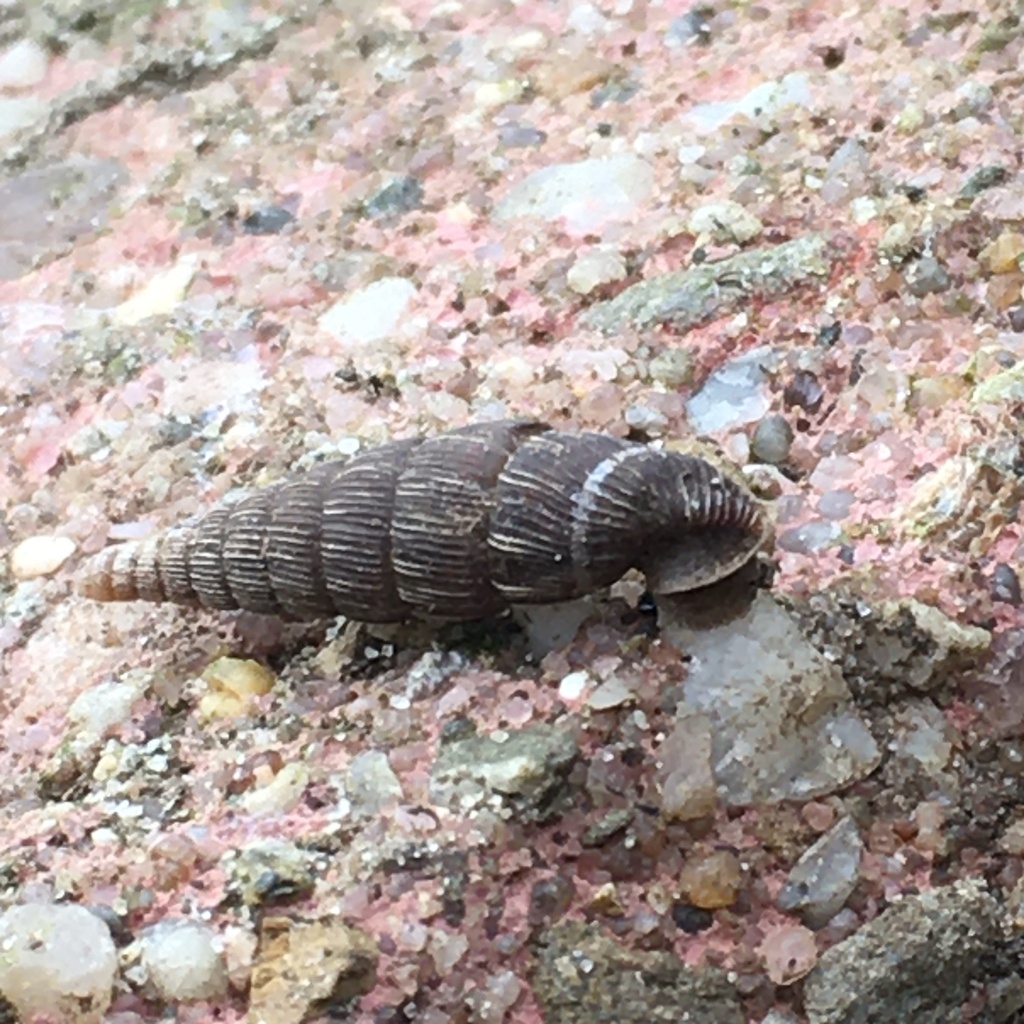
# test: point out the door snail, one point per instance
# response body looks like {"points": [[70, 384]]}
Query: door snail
{"points": [[450, 528]]}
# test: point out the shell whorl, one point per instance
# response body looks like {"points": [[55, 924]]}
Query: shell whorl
{"points": [[453, 527]]}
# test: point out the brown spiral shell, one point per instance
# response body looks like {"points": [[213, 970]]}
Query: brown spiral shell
{"points": [[450, 528]]}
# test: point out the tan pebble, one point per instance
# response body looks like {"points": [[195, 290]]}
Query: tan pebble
{"points": [[725, 221], [159, 296], [711, 880], [789, 954], [106, 767], [40, 556], [239, 677], [563, 75], [1003, 253], [930, 818], [280, 795], [936, 392], [172, 859], [221, 706], [606, 901], [1003, 290], [334, 961]]}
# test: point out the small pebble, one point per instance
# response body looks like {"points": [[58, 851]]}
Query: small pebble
{"points": [[1012, 839], [691, 919], [234, 683], [489, 95], [279, 794], [22, 65], [18, 112], [586, 195], [686, 781], [642, 417], [159, 296], [268, 220], [983, 179], [518, 136], [371, 314], [607, 827], [846, 175], [819, 816], [40, 556], [490, 1004], [612, 694], [692, 27], [780, 1017], [550, 899], [836, 505], [1005, 585], [106, 705], [371, 784], [270, 870], [809, 538], [673, 368], [772, 440], [927, 277], [446, 950], [1003, 255], [711, 880], [595, 268], [573, 686], [59, 962], [172, 858], [726, 221], [397, 197], [182, 961], [803, 391], [789, 953], [733, 395], [973, 97], [825, 875]]}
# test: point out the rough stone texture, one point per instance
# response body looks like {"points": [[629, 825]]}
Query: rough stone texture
{"points": [[523, 770], [49, 207], [269, 871], [585, 977], [306, 968], [586, 194], [156, 71], [781, 722], [823, 878], [686, 298], [915, 962], [888, 647]]}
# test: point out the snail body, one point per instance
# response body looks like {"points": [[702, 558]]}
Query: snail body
{"points": [[450, 528]]}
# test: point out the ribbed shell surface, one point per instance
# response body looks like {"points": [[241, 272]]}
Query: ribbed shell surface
{"points": [[453, 527]]}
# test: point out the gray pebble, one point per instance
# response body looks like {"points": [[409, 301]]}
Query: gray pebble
{"points": [[1005, 585], [809, 538], [772, 440], [927, 277]]}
